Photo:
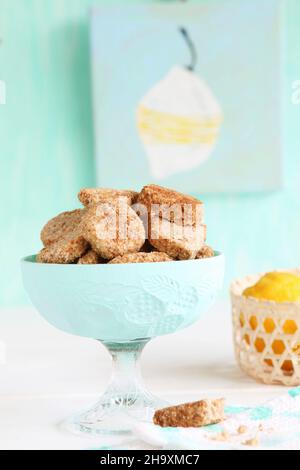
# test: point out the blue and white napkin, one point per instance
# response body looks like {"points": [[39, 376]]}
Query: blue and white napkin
{"points": [[272, 425]]}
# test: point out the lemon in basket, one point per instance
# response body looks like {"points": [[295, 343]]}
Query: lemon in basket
{"points": [[276, 286]]}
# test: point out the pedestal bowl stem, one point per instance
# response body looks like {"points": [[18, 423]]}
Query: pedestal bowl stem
{"points": [[126, 399]]}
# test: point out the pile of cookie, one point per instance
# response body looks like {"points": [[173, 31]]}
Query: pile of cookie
{"points": [[123, 226]]}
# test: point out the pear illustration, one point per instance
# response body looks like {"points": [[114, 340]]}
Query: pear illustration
{"points": [[178, 120]]}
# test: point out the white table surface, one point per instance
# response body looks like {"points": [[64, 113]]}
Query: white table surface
{"points": [[46, 375]]}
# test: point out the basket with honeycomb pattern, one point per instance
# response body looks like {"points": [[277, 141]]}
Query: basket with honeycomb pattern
{"points": [[266, 335]]}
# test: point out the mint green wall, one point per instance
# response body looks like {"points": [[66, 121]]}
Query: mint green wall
{"points": [[46, 144], [262, 232]]}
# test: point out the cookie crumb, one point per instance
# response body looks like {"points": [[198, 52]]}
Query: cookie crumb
{"points": [[242, 429], [221, 437], [251, 442]]}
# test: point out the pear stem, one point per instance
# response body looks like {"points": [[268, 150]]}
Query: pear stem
{"points": [[191, 47]]}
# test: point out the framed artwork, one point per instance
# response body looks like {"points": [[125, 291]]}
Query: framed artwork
{"points": [[188, 95]]}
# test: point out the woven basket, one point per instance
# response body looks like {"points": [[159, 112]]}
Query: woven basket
{"points": [[266, 335]]}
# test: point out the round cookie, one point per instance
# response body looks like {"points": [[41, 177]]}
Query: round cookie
{"points": [[205, 252], [64, 251], [91, 196], [61, 226], [154, 257], [178, 242], [113, 230]]}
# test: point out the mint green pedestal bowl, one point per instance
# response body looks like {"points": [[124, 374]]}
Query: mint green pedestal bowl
{"points": [[123, 306]]}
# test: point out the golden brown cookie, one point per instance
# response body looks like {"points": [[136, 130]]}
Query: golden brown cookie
{"points": [[113, 230], [205, 252], [61, 226], [90, 196], [91, 257], [196, 414], [154, 257], [177, 241], [174, 206], [64, 251]]}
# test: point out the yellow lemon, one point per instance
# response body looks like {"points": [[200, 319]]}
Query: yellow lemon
{"points": [[277, 286]]}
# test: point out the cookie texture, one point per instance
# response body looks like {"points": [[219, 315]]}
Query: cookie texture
{"points": [[205, 252], [175, 206], [91, 196], [113, 230], [153, 257], [61, 226], [91, 257], [196, 414], [179, 242], [64, 251], [123, 226]]}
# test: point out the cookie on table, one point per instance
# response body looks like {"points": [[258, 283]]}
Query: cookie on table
{"points": [[91, 257], [91, 196], [153, 257], [112, 230], [205, 252], [176, 206], [64, 251], [61, 226], [194, 415], [178, 242]]}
